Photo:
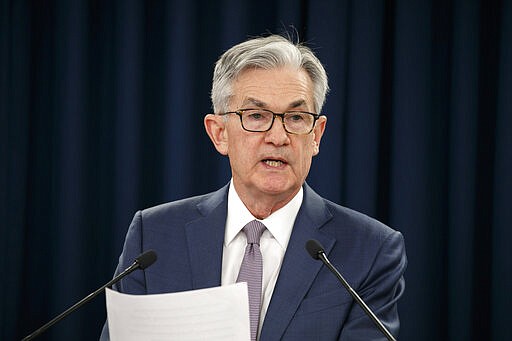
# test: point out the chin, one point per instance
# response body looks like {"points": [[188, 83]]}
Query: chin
{"points": [[274, 187]]}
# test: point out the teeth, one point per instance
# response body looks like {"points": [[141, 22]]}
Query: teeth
{"points": [[273, 163]]}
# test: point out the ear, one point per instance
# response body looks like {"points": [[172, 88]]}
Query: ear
{"points": [[215, 126], [318, 132]]}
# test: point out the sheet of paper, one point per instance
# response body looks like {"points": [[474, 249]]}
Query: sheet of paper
{"points": [[220, 313]]}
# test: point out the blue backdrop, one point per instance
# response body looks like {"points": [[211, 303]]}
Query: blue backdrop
{"points": [[102, 104]]}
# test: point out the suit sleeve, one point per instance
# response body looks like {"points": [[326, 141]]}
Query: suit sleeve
{"points": [[381, 290], [133, 283]]}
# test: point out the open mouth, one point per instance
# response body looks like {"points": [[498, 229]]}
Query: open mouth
{"points": [[274, 163]]}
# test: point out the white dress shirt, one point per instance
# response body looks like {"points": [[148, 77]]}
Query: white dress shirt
{"points": [[273, 242]]}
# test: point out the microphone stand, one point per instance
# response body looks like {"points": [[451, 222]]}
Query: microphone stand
{"points": [[356, 297]]}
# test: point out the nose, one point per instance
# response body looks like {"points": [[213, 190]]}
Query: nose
{"points": [[277, 135]]}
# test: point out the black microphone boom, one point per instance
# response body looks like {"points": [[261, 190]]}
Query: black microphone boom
{"points": [[316, 251], [141, 262]]}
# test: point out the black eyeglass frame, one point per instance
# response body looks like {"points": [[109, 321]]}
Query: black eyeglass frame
{"points": [[239, 112]]}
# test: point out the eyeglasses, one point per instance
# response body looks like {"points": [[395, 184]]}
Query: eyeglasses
{"points": [[261, 120]]}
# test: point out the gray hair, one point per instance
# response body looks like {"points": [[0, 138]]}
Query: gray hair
{"points": [[266, 53]]}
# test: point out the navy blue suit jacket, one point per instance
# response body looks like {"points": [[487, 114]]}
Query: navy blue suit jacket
{"points": [[308, 302]]}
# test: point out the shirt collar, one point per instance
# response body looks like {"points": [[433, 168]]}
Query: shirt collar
{"points": [[279, 223]]}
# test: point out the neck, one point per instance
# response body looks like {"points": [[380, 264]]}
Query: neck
{"points": [[263, 205]]}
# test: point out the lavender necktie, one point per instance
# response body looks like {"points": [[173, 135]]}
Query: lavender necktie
{"points": [[251, 272]]}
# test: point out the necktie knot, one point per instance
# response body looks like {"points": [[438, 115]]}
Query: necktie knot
{"points": [[253, 231]]}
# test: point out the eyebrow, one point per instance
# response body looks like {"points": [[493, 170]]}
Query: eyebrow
{"points": [[260, 104], [255, 102]]}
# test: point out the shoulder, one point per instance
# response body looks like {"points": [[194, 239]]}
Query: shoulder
{"points": [[356, 222], [184, 209], [359, 241], [368, 249], [341, 221]]}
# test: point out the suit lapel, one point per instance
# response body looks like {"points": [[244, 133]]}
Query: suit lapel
{"points": [[205, 240], [299, 269]]}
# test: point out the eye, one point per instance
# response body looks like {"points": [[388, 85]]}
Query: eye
{"points": [[255, 116], [296, 117]]}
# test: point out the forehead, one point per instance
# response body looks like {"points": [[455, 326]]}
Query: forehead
{"points": [[278, 89]]}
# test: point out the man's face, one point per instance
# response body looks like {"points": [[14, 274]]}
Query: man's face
{"points": [[274, 164]]}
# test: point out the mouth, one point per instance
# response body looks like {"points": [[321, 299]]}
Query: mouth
{"points": [[274, 163]]}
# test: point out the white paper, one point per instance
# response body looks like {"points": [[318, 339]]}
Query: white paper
{"points": [[220, 313]]}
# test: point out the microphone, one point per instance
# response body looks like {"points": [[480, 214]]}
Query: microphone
{"points": [[144, 260], [316, 251]]}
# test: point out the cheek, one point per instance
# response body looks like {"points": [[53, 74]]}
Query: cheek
{"points": [[240, 152]]}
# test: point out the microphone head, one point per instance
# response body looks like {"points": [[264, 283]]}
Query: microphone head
{"points": [[146, 259], [314, 248]]}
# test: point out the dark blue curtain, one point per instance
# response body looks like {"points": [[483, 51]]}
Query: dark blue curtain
{"points": [[101, 108]]}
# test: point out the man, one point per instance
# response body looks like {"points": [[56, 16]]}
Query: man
{"points": [[267, 95]]}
